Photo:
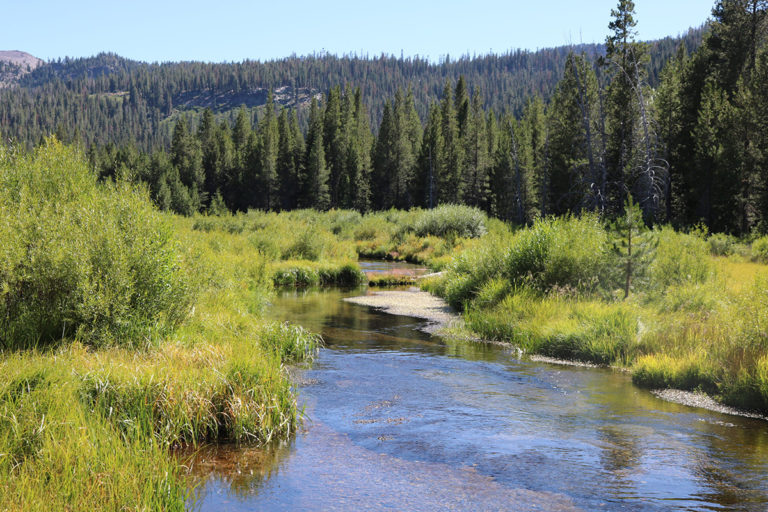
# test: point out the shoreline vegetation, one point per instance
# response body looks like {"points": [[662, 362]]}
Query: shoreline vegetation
{"points": [[693, 319], [127, 332]]}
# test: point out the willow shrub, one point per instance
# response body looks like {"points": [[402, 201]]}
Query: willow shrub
{"points": [[556, 254], [451, 220], [79, 258], [680, 258]]}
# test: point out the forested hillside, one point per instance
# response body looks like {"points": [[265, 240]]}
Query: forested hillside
{"points": [[107, 98], [678, 125]]}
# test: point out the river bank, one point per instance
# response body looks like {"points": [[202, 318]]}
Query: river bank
{"points": [[440, 316], [397, 418]]}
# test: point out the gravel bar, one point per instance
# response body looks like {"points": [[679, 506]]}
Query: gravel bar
{"points": [[413, 302], [702, 401]]}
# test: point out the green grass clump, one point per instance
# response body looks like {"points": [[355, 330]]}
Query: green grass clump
{"points": [[561, 327], [564, 255], [82, 259], [382, 281], [58, 455], [451, 220], [310, 273]]}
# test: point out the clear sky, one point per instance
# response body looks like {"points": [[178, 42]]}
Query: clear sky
{"points": [[233, 30]]}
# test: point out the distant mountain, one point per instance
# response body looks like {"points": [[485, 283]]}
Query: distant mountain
{"points": [[15, 64], [107, 98]]}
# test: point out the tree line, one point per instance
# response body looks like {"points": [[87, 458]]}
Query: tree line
{"points": [[107, 98], [691, 149]]}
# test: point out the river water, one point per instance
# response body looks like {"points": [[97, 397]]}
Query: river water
{"points": [[397, 419]]}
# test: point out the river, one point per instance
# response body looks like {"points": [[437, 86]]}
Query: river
{"points": [[397, 419]]}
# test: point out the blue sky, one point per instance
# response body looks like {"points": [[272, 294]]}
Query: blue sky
{"points": [[233, 30]]}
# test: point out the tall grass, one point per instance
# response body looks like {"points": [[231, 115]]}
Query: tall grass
{"points": [[159, 339], [696, 322]]}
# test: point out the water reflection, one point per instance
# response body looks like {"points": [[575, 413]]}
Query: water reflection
{"points": [[236, 470], [402, 420]]}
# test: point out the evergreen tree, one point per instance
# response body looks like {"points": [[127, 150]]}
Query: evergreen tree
{"points": [[668, 119], [334, 143], [268, 149], [625, 63], [359, 156], [714, 185], [384, 170], [313, 180], [462, 106], [535, 143], [449, 181], [429, 170], [477, 161], [287, 169], [187, 158], [575, 177], [206, 135], [633, 245]]}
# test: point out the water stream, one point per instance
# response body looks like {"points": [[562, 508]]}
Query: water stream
{"points": [[401, 420]]}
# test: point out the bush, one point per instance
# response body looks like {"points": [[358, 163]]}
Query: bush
{"points": [[79, 258], [451, 220], [721, 244], [680, 258], [564, 253], [760, 250]]}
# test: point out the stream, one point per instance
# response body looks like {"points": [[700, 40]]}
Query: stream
{"points": [[397, 419]]}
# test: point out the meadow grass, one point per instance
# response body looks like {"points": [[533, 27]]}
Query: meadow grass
{"points": [[126, 333], [695, 321], [134, 335], [383, 281]]}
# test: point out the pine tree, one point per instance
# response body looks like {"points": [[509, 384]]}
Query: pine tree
{"points": [[759, 119], [384, 170], [477, 161], [359, 156], [206, 135], [575, 177], [313, 181], [668, 119], [187, 158], [534, 143], [226, 168], [715, 184], [633, 245], [268, 149], [428, 170], [333, 141], [625, 63], [286, 163], [449, 181], [462, 106]]}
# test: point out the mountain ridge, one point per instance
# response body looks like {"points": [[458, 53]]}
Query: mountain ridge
{"points": [[108, 98]]}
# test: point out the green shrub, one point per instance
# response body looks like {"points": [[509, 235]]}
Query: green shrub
{"points": [[721, 244], [563, 253], [451, 220], [680, 258], [307, 246], [309, 273], [80, 258], [760, 250]]}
